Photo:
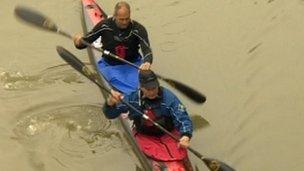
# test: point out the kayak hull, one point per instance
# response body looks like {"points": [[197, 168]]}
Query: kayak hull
{"points": [[93, 14]]}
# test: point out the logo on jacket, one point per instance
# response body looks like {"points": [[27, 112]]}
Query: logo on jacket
{"points": [[181, 107], [121, 51]]}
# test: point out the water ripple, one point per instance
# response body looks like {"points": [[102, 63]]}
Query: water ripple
{"points": [[66, 135]]}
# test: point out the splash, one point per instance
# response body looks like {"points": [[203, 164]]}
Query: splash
{"points": [[17, 80]]}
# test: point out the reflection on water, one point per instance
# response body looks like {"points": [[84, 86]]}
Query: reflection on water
{"points": [[67, 134]]}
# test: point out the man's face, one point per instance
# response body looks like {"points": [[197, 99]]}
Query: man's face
{"points": [[122, 18], [150, 93]]}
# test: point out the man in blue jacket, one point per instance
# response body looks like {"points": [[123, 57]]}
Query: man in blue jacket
{"points": [[163, 107]]}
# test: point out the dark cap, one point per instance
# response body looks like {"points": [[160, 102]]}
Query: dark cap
{"points": [[148, 79]]}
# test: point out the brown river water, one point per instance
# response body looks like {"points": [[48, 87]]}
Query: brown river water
{"points": [[245, 55]]}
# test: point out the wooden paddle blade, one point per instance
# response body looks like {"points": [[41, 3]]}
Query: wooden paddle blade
{"points": [[35, 18], [216, 165], [186, 90]]}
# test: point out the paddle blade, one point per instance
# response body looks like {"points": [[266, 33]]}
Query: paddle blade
{"points": [[76, 63], [186, 90], [216, 165], [35, 18]]}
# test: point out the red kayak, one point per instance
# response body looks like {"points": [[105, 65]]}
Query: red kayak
{"points": [[155, 154]]}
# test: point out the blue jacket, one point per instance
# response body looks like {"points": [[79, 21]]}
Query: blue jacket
{"points": [[170, 106]]}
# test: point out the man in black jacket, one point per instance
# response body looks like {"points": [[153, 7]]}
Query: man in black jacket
{"points": [[123, 37]]}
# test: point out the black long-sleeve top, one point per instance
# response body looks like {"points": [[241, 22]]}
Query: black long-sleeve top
{"points": [[125, 43]]}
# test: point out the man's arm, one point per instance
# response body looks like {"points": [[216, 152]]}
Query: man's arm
{"points": [[145, 46], [182, 119], [91, 36], [182, 122], [112, 107], [142, 34]]}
